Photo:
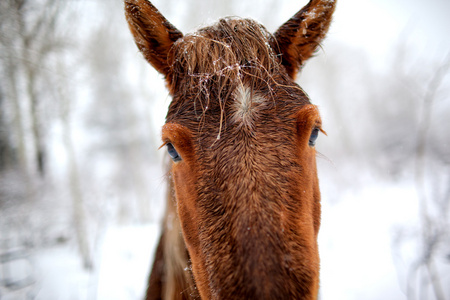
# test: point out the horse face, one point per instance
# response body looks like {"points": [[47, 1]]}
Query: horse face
{"points": [[241, 135]]}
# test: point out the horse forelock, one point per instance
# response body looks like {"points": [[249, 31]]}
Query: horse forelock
{"points": [[228, 49], [219, 60]]}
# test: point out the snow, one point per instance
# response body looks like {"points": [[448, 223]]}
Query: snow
{"points": [[125, 262], [355, 242], [59, 275]]}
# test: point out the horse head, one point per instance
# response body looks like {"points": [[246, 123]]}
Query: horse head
{"points": [[241, 135]]}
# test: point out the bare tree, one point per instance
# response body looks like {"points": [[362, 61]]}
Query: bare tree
{"points": [[434, 212], [76, 193], [7, 156], [29, 38], [9, 67], [33, 70], [415, 141]]}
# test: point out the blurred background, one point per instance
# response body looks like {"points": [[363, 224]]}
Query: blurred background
{"points": [[82, 183]]}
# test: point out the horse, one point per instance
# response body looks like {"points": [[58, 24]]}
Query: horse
{"points": [[243, 204]]}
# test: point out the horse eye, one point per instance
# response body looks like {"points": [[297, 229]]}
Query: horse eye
{"points": [[313, 137], [173, 153]]}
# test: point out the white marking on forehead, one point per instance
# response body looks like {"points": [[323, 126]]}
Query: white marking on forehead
{"points": [[246, 105]]}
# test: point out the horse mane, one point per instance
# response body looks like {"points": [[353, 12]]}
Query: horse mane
{"points": [[225, 51]]}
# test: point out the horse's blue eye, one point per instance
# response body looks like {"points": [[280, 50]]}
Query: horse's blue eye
{"points": [[173, 153], [313, 137]]}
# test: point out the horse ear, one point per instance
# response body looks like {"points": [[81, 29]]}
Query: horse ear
{"points": [[153, 34], [298, 38]]}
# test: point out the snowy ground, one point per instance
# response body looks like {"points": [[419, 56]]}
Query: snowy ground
{"points": [[356, 242]]}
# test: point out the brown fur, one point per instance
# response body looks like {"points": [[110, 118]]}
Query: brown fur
{"points": [[246, 190], [154, 36], [299, 37]]}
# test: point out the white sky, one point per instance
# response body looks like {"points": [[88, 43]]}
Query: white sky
{"points": [[376, 25], [372, 25]]}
